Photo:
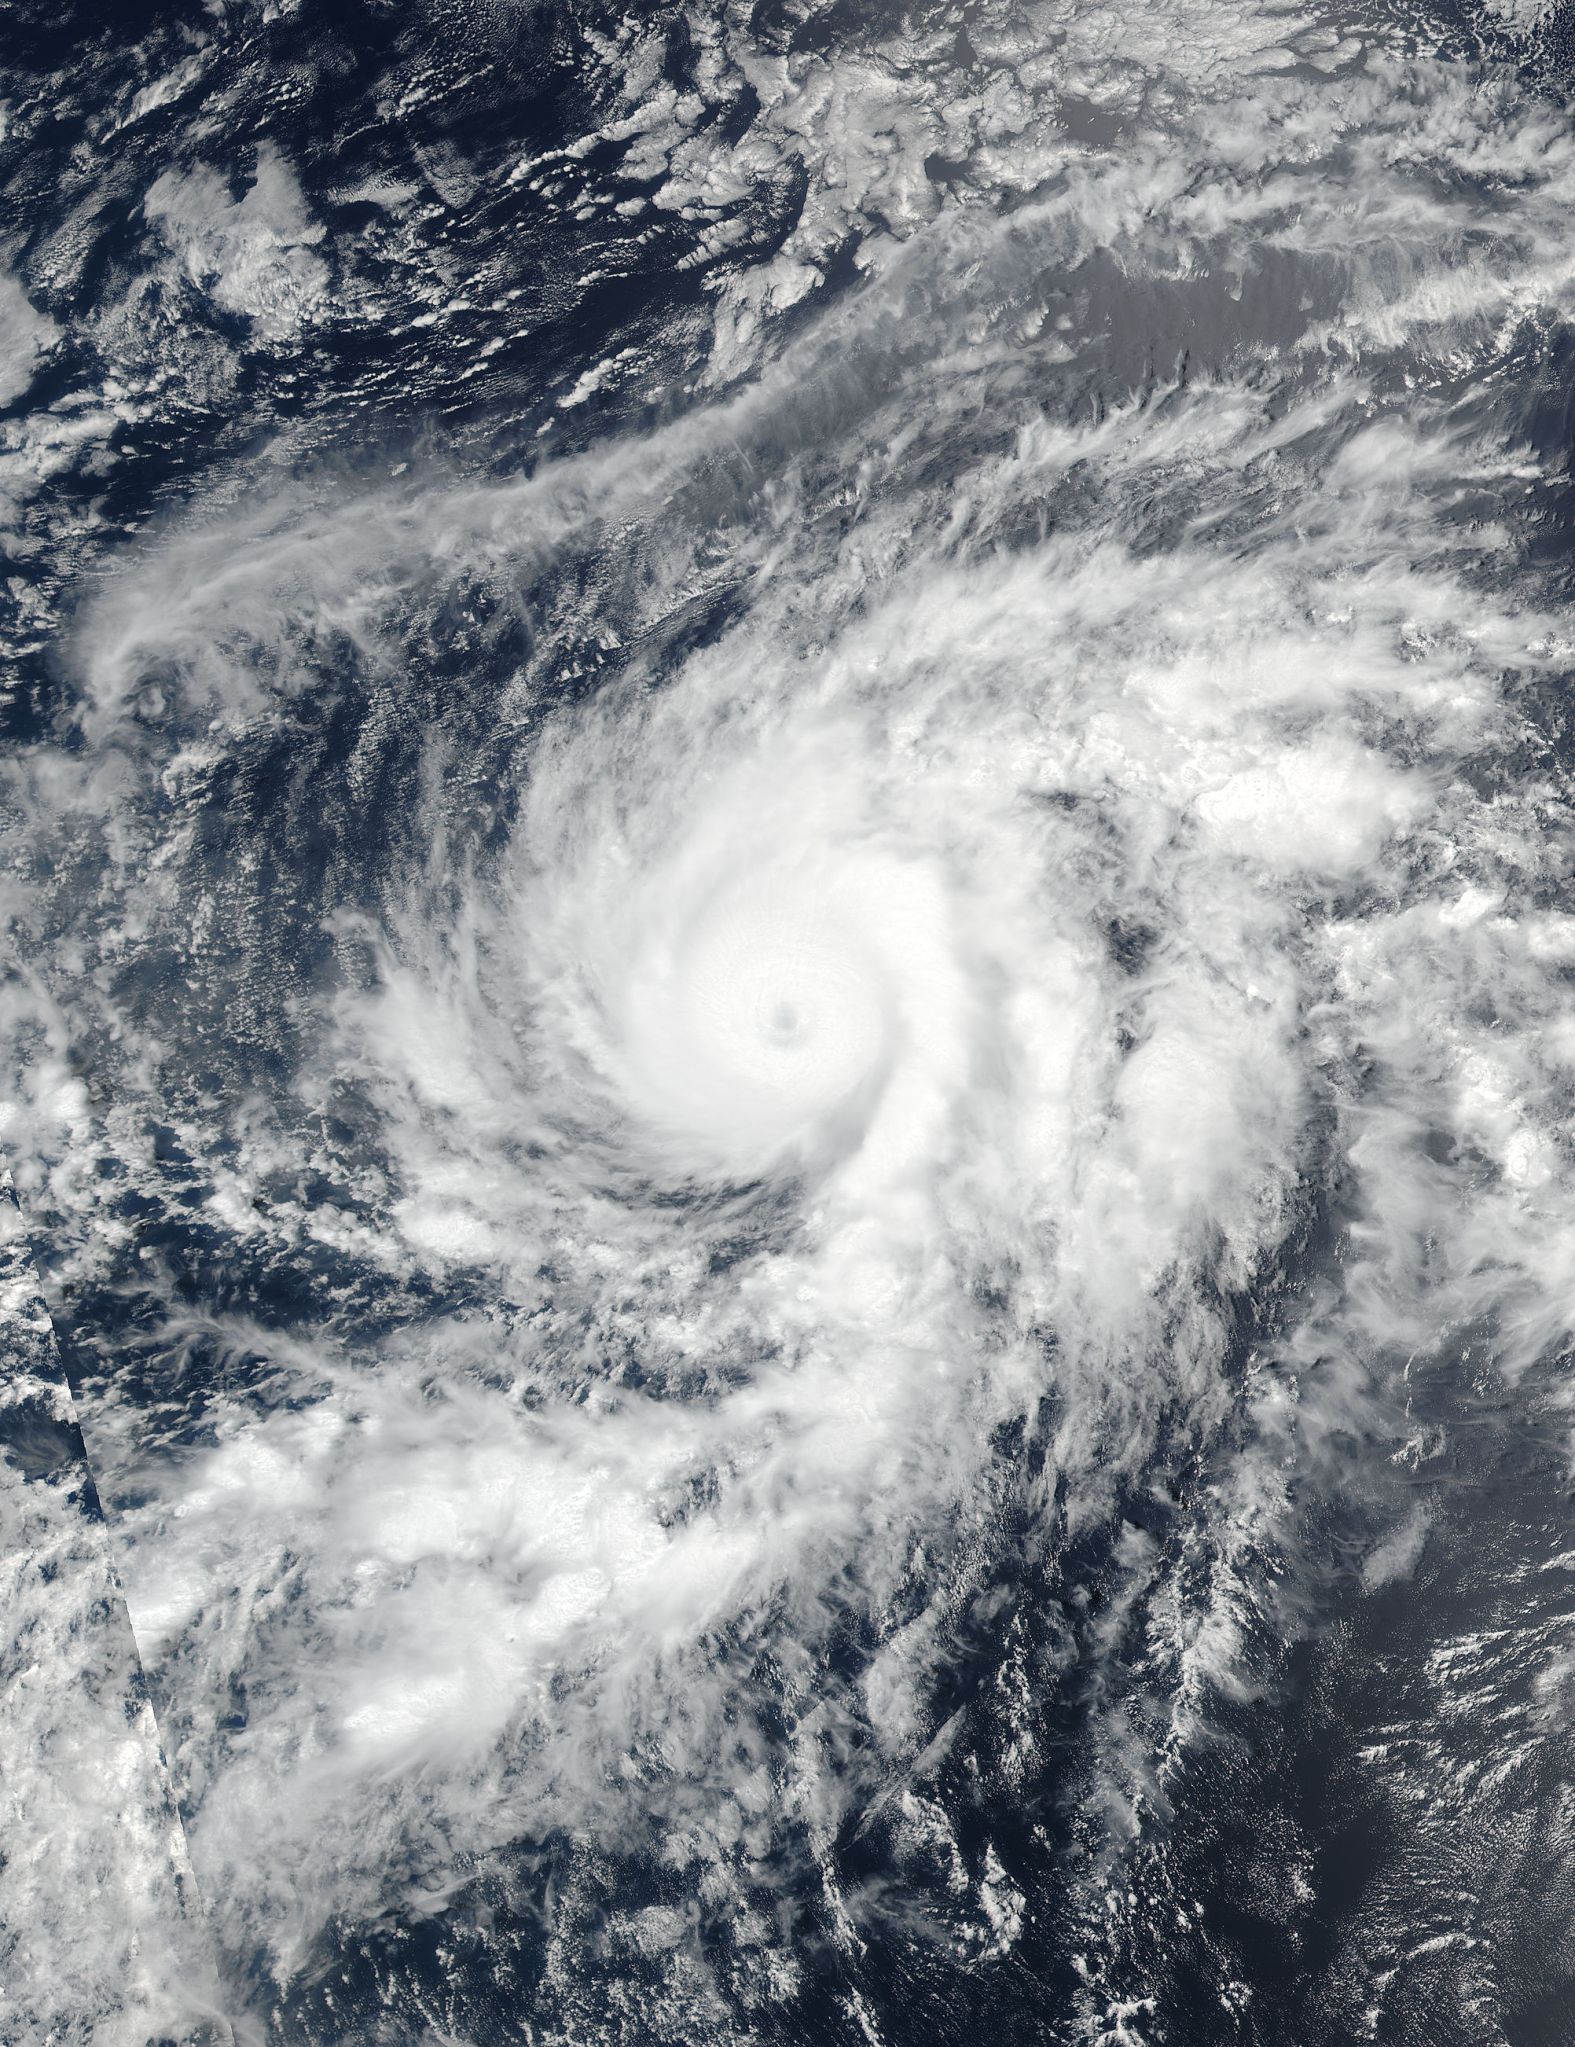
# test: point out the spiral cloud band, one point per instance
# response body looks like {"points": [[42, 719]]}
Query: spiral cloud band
{"points": [[797, 1158]]}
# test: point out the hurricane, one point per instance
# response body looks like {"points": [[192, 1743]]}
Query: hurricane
{"points": [[787, 1058]]}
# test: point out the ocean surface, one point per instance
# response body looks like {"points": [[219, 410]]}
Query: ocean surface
{"points": [[786, 1041]]}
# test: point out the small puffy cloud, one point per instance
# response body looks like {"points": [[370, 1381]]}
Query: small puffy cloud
{"points": [[255, 255]]}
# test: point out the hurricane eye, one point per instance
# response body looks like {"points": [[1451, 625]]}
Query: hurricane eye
{"points": [[783, 1023]]}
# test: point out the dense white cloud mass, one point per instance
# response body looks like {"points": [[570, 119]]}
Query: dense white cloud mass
{"points": [[967, 960]]}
